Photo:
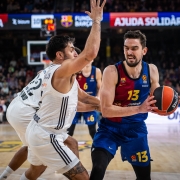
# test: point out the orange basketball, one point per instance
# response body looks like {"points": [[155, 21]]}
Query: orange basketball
{"points": [[167, 100]]}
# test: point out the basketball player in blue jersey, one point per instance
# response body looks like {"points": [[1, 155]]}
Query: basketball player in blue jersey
{"points": [[125, 103], [60, 94], [89, 80]]}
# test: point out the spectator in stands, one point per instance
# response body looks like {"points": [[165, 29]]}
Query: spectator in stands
{"points": [[3, 108], [5, 88]]}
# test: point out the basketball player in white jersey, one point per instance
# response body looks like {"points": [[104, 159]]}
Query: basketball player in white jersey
{"points": [[22, 109], [60, 94]]}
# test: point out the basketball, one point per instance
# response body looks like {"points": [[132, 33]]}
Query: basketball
{"points": [[167, 100]]}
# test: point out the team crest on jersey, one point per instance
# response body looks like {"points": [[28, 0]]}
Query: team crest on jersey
{"points": [[123, 80], [144, 78], [79, 77], [66, 21], [133, 158]]}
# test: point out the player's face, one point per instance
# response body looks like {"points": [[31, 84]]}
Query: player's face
{"points": [[133, 52], [69, 52]]}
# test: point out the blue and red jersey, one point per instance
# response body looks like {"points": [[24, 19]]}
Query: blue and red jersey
{"points": [[131, 92], [88, 84]]}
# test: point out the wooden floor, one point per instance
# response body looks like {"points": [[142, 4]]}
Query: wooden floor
{"points": [[164, 141]]}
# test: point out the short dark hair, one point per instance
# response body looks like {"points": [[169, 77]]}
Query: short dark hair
{"points": [[57, 43], [77, 50], [137, 34]]}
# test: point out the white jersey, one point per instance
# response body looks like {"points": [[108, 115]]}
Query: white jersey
{"points": [[31, 94], [57, 110]]}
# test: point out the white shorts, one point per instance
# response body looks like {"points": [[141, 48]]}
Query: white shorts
{"points": [[48, 149], [19, 115]]}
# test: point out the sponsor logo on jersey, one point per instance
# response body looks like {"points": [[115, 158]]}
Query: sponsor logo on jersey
{"points": [[92, 78], [66, 21], [47, 76], [145, 85], [133, 157], [117, 103], [134, 104]]}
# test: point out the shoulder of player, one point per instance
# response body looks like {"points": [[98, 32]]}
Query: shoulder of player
{"points": [[110, 69], [153, 68], [110, 72], [110, 76], [154, 74], [98, 70]]}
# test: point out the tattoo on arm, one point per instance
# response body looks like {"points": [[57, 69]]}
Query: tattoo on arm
{"points": [[77, 169]]}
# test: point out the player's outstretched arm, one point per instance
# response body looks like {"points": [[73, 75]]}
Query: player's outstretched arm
{"points": [[82, 107], [90, 51], [86, 98]]}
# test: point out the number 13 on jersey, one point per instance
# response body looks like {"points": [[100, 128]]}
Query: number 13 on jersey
{"points": [[133, 95]]}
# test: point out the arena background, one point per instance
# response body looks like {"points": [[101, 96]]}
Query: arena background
{"points": [[26, 26]]}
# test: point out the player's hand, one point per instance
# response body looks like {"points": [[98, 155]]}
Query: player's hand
{"points": [[97, 97], [98, 108], [147, 105], [96, 10]]}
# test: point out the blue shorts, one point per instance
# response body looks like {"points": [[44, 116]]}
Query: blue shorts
{"points": [[132, 138], [89, 117]]}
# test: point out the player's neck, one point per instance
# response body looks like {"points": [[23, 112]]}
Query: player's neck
{"points": [[87, 71], [134, 72], [57, 61]]}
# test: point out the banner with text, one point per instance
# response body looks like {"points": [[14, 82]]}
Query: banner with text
{"points": [[157, 119], [73, 21], [76, 21], [145, 19]]}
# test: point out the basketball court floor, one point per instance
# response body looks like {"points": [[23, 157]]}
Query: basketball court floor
{"points": [[164, 142]]}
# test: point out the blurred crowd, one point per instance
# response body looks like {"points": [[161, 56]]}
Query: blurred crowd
{"points": [[28, 6], [57, 6], [132, 6], [15, 73]]}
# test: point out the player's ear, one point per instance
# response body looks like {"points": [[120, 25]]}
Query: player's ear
{"points": [[60, 55], [145, 49]]}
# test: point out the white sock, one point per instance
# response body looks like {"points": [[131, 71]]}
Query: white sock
{"points": [[6, 173], [23, 177]]}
